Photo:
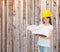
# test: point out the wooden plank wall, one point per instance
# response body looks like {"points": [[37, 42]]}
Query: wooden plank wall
{"points": [[0, 30], [59, 27], [15, 14]]}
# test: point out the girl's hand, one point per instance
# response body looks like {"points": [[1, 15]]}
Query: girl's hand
{"points": [[27, 25]]}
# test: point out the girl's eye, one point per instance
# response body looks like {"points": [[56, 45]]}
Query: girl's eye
{"points": [[47, 18]]}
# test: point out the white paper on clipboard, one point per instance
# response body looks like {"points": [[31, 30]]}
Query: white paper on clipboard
{"points": [[32, 28]]}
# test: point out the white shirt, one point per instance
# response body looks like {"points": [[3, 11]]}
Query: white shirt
{"points": [[41, 29]]}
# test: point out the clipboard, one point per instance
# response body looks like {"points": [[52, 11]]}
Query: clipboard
{"points": [[41, 35]]}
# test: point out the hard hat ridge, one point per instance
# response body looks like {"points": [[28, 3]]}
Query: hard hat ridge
{"points": [[46, 13]]}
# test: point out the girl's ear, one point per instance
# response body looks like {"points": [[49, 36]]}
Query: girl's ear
{"points": [[43, 20]]}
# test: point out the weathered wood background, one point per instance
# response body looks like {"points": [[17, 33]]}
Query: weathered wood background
{"points": [[14, 14]]}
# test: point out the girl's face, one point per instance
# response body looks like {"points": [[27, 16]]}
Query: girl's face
{"points": [[46, 20]]}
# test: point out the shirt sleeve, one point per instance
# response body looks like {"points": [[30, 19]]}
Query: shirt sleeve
{"points": [[51, 28]]}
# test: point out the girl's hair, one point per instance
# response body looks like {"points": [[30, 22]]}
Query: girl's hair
{"points": [[49, 20]]}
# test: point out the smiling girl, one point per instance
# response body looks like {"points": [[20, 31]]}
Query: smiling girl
{"points": [[46, 28]]}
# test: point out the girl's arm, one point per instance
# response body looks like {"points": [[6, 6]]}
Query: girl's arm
{"points": [[49, 36]]}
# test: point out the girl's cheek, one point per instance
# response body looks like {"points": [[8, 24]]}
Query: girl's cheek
{"points": [[45, 20]]}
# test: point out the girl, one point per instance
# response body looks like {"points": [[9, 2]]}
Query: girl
{"points": [[46, 29]]}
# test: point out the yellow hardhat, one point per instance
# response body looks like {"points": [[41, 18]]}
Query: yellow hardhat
{"points": [[46, 13]]}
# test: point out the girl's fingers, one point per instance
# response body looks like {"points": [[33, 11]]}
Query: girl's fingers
{"points": [[27, 24]]}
